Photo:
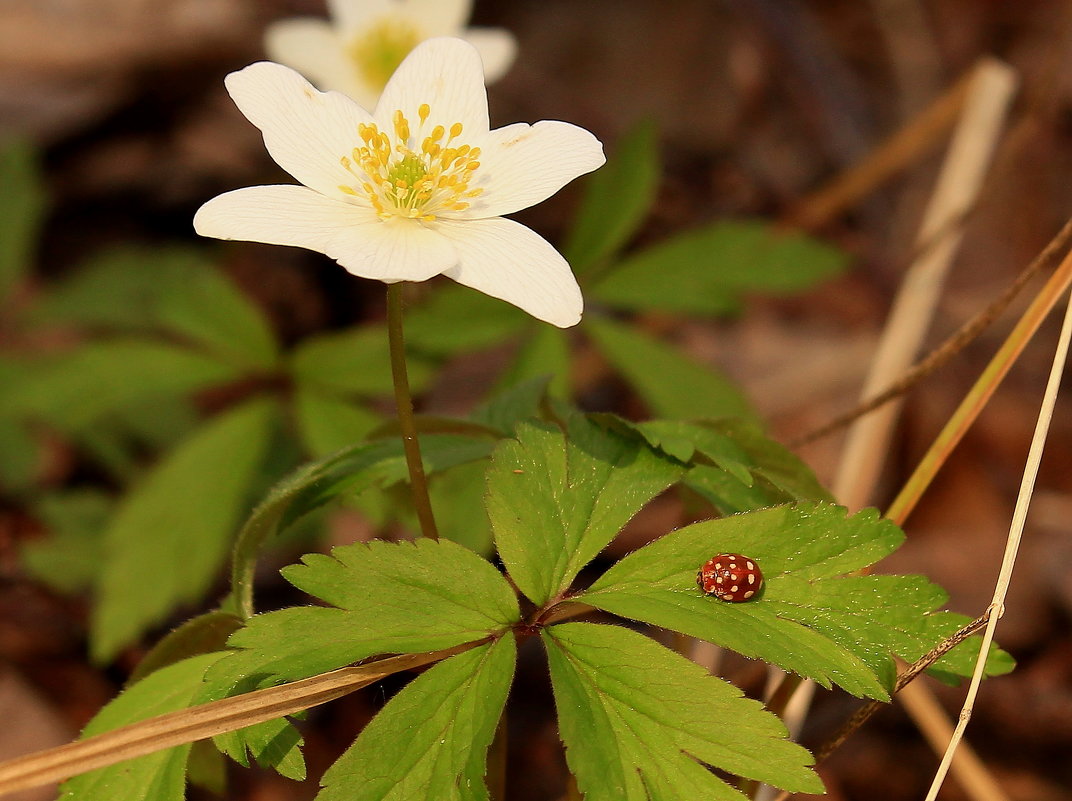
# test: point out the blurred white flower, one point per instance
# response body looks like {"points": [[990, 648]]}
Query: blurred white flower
{"points": [[358, 50], [415, 189]]}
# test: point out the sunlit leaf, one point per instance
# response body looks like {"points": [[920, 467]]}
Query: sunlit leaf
{"points": [[555, 503], [382, 598], [429, 743], [640, 722], [810, 617]]}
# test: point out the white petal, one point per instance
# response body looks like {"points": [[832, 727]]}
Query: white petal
{"points": [[307, 132], [521, 165], [506, 260], [447, 75], [349, 16], [497, 48], [401, 250], [313, 47], [439, 17]]}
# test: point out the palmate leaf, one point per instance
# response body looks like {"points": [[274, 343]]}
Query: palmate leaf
{"points": [[384, 598], [429, 743], [638, 720], [810, 618], [554, 503]]}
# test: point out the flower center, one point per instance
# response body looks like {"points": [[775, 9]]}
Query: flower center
{"points": [[403, 180], [381, 49]]}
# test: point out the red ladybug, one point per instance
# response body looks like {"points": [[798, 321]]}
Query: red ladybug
{"points": [[730, 577]]}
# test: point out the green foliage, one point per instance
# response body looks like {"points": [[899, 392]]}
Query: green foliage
{"points": [[141, 290], [708, 270], [70, 559], [326, 423], [155, 777], [351, 362], [733, 465], [616, 200], [429, 743], [170, 535], [76, 389], [543, 354], [383, 598], [455, 319], [22, 205], [556, 501], [810, 618], [669, 382], [638, 720]]}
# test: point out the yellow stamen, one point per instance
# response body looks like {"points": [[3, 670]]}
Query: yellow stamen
{"points": [[399, 181]]}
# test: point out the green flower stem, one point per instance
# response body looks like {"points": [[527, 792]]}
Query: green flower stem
{"points": [[404, 403]]}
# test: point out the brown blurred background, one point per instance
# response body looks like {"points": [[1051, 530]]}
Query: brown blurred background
{"points": [[758, 103]]}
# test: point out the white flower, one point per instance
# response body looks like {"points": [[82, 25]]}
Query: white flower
{"points": [[358, 50], [415, 189]]}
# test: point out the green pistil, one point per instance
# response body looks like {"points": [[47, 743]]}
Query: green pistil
{"points": [[405, 175]]}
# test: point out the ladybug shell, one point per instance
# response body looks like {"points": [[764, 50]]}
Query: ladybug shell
{"points": [[730, 577]]}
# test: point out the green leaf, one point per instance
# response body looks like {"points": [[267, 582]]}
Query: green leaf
{"points": [[204, 634], [72, 391], [273, 744], [733, 464], [71, 556], [165, 289], [640, 722], [545, 354], [669, 382], [809, 618], [457, 497], [396, 598], [354, 361], [22, 204], [327, 422], [707, 271], [554, 503], [430, 742], [349, 471], [172, 533], [154, 777], [455, 319], [617, 199], [520, 402]]}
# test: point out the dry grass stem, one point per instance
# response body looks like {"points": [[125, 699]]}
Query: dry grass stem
{"points": [[201, 722], [1027, 484]]}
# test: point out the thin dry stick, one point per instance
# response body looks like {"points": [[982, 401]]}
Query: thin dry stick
{"points": [[954, 343], [203, 721], [980, 393], [958, 186], [1023, 500], [923, 133]]}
